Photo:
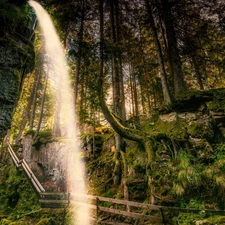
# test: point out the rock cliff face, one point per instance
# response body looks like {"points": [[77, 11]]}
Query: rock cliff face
{"points": [[48, 162], [16, 55]]}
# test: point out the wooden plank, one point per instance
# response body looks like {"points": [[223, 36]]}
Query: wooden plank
{"points": [[150, 206], [113, 223], [27, 169], [14, 157], [130, 203], [32, 176], [53, 201], [54, 193], [119, 201], [53, 206], [130, 214], [91, 206], [32, 180]]}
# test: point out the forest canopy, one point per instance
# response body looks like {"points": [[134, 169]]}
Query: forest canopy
{"points": [[150, 51], [155, 49]]}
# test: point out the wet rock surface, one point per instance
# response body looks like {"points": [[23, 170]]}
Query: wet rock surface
{"points": [[48, 162]]}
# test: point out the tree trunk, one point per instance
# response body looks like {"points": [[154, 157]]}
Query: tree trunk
{"points": [[136, 106], [142, 94], [56, 123], [117, 80], [42, 107], [151, 155], [82, 102], [165, 87], [132, 108], [178, 77], [146, 82], [37, 82], [131, 134], [78, 61], [125, 175], [120, 92], [26, 114], [197, 72], [134, 94]]}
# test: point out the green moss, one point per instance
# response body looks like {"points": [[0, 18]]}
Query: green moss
{"points": [[44, 137], [175, 129], [45, 221], [150, 123], [191, 219], [29, 132], [217, 105], [194, 129], [5, 221], [17, 197], [41, 217]]}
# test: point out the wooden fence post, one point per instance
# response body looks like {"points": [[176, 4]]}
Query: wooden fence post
{"points": [[163, 218], [68, 198], [97, 208]]}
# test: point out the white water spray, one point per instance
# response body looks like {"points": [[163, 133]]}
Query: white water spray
{"points": [[57, 69]]}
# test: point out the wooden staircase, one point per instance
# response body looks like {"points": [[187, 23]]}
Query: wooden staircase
{"points": [[46, 199], [54, 200]]}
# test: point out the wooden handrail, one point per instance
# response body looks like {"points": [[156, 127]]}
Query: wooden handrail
{"points": [[32, 176], [99, 199], [37, 185], [14, 157], [130, 214]]}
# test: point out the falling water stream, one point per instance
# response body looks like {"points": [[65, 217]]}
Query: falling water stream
{"points": [[57, 70]]}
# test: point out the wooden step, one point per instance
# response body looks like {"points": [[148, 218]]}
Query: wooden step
{"points": [[54, 195], [46, 203]]}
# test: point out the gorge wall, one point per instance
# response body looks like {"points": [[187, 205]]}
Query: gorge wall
{"points": [[16, 55]]}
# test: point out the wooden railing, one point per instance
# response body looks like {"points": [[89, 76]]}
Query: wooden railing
{"points": [[140, 211], [119, 207], [54, 200], [14, 156], [136, 210], [46, 199], [37, 185]]}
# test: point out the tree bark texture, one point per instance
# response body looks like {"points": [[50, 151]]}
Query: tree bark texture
{"points": [[165, 87], [173, 54], [78, 61], [42, 107], [26, 113], [37, 82]]}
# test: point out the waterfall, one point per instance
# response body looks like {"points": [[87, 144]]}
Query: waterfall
{"points": [[56, 68]]}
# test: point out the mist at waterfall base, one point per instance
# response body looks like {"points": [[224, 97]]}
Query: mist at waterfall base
{"points": [[57, 70]]}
